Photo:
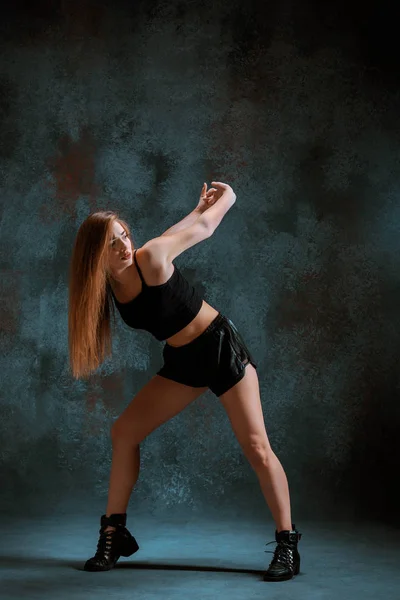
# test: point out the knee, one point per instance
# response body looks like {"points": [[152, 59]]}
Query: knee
{"points": [[259, 454], [121, 433], [116, 431]]}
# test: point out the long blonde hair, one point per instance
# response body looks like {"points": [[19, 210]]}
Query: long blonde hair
{"points": [[90, 301]]}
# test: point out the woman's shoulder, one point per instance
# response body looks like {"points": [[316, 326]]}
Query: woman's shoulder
{"points": [[154, 270]]}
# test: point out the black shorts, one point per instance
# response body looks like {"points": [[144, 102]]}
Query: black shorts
{"points": [[217, 358]]}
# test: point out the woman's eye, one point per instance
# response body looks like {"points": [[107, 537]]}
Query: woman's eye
{"points": [[124, 235]]}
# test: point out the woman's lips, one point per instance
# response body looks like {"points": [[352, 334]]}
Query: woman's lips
{"points": [[126, 256]]}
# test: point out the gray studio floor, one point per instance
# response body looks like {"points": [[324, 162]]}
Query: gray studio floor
{"points": [[196, 558]]}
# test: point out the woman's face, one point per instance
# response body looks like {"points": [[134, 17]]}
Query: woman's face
{"points": [[120, 255]]}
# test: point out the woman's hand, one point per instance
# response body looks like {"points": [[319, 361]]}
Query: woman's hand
{"points": [[210, 197], [206, 198]]}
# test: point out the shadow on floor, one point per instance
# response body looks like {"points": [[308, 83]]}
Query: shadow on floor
{"points": [[23, 562]]}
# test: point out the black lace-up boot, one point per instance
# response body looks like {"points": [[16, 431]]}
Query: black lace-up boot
{"points": [[286, 561], [112, 544]]}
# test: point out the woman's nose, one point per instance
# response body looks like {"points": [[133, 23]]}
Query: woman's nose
{"points": [[123, 245]]}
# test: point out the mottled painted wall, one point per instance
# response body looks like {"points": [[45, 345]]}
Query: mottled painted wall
{"points": [[132, 108]]}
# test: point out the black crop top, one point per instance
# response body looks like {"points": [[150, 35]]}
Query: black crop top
{"points": [[164, 309]]}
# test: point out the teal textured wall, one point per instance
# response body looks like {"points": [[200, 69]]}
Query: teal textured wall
{"points": [[131, 109]]}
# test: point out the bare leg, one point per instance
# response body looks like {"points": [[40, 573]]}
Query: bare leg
{"points": [[157, 402], [123, 477], [275, 488], [243, 406]]}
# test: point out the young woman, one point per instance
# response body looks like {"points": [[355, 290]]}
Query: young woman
{"points": [[203, 350]]}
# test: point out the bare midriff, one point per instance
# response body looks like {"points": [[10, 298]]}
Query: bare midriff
{"points": [[195, 328]]}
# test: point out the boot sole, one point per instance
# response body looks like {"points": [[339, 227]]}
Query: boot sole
{"points": [[282, 577]]}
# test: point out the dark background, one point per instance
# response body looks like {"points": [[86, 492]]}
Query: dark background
{"points": [[131, 106]]}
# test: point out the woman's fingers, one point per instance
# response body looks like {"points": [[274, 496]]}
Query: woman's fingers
{"points": [[220, 184], [208, 195]]}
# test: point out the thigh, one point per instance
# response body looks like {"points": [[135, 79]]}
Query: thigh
{"points": [[243, 407], [157, 402]]}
